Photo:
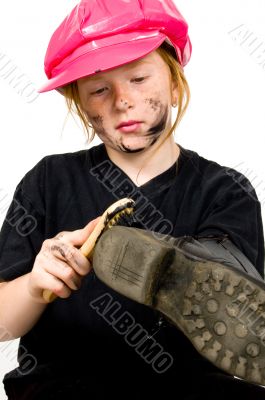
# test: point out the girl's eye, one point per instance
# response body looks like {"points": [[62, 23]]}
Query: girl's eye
{"points": [[99, 91], [102, 90], [138, 80]]}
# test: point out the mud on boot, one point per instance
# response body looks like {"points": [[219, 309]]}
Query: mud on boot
{"points": [[219, 308]]}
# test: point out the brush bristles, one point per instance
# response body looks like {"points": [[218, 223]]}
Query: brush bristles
{"points": [[121, 218]]}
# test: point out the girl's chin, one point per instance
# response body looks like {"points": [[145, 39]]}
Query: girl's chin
{"points": [[140, 145], [135, 141], [129, 143]]}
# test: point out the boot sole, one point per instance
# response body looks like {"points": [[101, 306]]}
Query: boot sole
{"points": [[220, 309]]}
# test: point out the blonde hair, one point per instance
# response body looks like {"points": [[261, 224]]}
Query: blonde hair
{"points": [[74, 107], [167, 53]]}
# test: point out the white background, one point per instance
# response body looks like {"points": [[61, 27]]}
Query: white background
{"points": [[225, 121]]}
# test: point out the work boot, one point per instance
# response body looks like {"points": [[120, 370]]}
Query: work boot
{"points": [[219, 308]]}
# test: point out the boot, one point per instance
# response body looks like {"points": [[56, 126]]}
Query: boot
{"points": [[219, 308]]}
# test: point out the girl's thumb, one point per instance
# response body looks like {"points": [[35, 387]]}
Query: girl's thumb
{"points": [[79, 236]]}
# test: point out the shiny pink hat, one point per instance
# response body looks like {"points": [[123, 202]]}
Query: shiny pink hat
{"points": [[99, 35]]}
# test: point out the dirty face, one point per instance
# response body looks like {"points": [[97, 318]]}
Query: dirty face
{"points": [[140, 91]]}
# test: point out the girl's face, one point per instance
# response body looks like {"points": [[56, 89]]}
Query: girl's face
{"points": [[140, 91]]}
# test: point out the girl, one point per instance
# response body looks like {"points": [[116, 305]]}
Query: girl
{"points": [[119, 65]]}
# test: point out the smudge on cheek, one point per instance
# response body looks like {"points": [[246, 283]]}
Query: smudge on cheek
{"points": [[98, 120], [97, 123], [160, 124], [155, 104]]}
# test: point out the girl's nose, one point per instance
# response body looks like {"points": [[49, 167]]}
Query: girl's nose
{"points": [[123, 100]]}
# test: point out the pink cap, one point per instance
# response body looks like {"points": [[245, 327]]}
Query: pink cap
{"points": [[99, 35]]}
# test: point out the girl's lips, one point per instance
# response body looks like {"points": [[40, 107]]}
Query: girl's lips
{"points": [[130, 128]]}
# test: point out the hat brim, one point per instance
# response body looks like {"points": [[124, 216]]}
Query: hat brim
{"points": [[102, 59]]}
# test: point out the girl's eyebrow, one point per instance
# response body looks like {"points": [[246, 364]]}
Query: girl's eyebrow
{"points": [[130, 66]]}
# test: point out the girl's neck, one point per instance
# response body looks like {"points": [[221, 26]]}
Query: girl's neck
{"points": [[131, 163]]}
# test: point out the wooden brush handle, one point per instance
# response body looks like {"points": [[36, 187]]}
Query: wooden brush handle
{"points": [[88, 246]]}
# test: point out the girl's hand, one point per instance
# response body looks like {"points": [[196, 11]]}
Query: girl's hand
{"points": [[60, 266]]}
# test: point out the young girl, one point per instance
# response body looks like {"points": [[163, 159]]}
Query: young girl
{"points": [[119, 65]]}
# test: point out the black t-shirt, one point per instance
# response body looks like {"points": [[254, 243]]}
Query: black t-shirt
{"points": [[194, 197]]}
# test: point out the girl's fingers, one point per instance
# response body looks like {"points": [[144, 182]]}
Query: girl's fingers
{"points": [[41, 279], [64, 274], [63, 251], [79, 236]]}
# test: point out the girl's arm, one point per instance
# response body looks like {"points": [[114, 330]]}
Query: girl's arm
{"points": [[19, 312]]}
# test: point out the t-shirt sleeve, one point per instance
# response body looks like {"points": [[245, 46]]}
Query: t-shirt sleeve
{"points": [[236, 212], [21, 234]]}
